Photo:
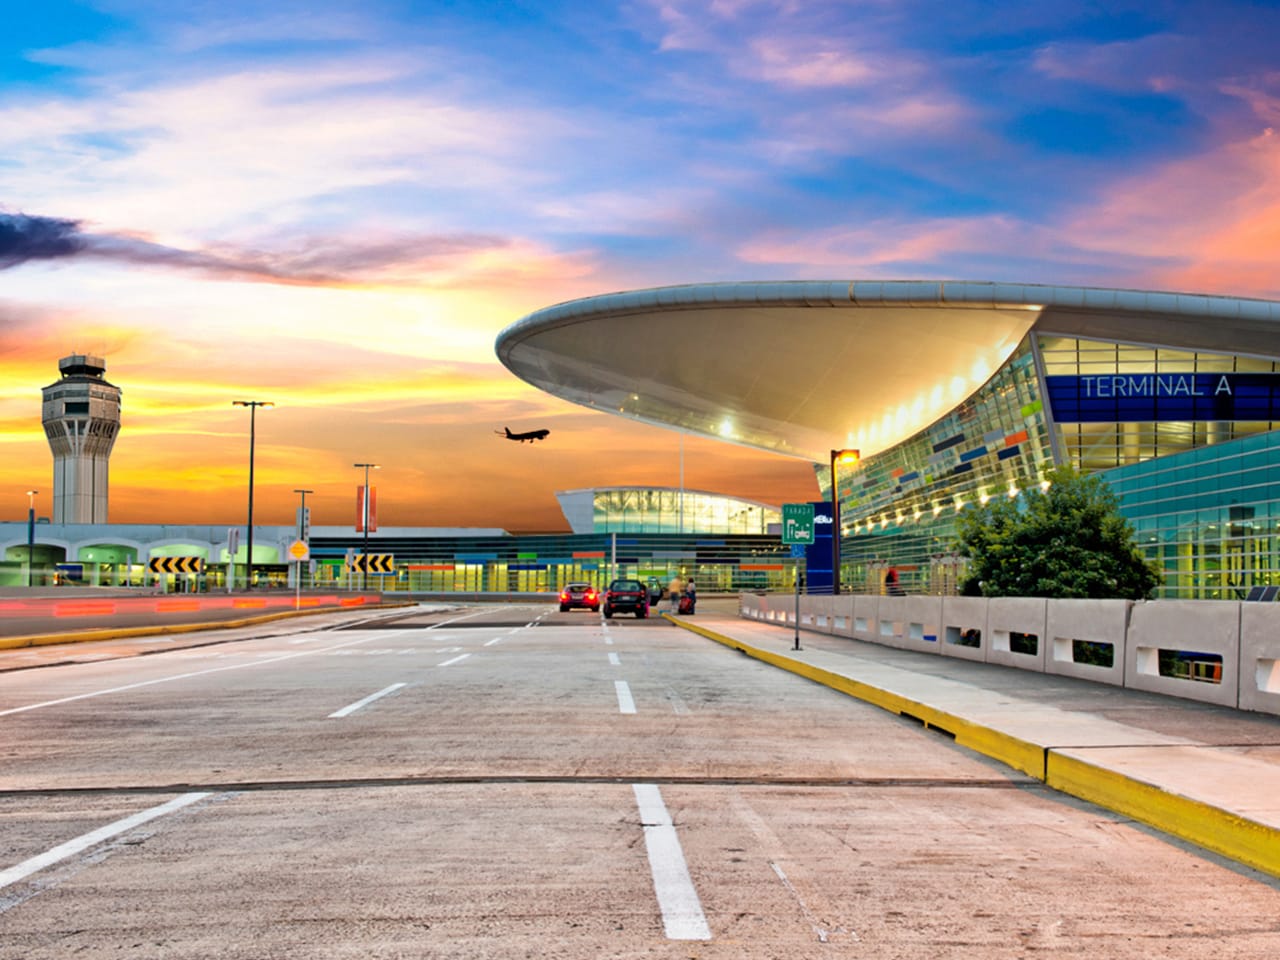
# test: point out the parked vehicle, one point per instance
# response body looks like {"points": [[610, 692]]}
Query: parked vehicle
{"points": [[579, 595], [626, 596]]}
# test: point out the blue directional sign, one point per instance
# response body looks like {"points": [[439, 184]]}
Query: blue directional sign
{"points": [[1145, 397]]}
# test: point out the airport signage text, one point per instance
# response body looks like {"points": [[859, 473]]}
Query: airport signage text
{"points": [[797, 523], [1138, 397]]}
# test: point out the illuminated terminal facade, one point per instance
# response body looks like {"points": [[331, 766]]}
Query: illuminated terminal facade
{"points": [[727, 544], [956, 392], [952, 392], [640, 510]]}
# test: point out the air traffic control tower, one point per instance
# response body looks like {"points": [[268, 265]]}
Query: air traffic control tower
{"points": [[81, 419]]}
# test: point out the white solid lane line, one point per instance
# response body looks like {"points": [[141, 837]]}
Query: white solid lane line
{"points": [[347, 711], [453, 661], [682, 916], [187, 676], [625, 703], [72, 847]]}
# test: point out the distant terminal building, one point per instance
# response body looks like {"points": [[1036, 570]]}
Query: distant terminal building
{"points": [[727, 545], [955, 392], [664, 510], [81, 416]]}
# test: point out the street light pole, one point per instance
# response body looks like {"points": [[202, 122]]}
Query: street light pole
{"points": [[837, 456], [303, 526], [31, 532], [364, 523], [253, 406]]}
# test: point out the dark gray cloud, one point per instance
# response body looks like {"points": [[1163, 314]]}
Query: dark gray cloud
{"points": [[24, 238], [324, 261]]}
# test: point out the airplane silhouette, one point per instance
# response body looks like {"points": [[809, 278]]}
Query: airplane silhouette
{"points": [[522, 437]]}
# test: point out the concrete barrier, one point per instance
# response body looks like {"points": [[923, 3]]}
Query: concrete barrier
{"points": [[1086, 639], [864, 617], [891, 622], [1220, 652], [1017, 631], [964, 628], [1260, 657], [842, 615], [819, 614], [923, 624], [1186, 648]]}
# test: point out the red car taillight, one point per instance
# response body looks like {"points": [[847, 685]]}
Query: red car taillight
{"points": [[591, 594], [564, 594]]}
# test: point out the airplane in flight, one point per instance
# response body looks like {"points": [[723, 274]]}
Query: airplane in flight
{"points": [[522, 437]]}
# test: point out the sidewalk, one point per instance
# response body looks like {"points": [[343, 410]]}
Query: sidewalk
{"points": [[1205, 774]]}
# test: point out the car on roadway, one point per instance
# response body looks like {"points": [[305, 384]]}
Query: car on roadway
{"points": [[576, 595], [626, 596]]}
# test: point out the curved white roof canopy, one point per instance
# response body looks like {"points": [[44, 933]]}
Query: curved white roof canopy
{"points": [[804, 367]]}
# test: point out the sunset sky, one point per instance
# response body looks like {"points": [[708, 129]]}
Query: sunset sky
{"points": [[337, 206]]}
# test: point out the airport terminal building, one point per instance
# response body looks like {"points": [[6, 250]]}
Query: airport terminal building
{"points": [[955, 392], [726, 543], [952, 393]]}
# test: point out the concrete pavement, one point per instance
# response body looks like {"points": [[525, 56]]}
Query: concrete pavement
{"points": [[1209, 775]]}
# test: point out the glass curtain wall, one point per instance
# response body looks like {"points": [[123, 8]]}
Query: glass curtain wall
{"points": [[495, 566], [898, 508], [663, 510], [1203, 495]]}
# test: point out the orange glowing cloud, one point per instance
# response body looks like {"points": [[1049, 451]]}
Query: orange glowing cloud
{"points": [[1209, 223]]}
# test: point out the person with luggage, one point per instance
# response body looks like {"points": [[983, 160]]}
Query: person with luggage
{"points": [[676, 592], [690, 599]]}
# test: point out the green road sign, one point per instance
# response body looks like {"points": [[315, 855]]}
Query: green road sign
{"points": [[797, 523]]}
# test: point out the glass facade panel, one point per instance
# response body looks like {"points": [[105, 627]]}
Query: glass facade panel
{"points": [[665, 510], [1204, 496]]}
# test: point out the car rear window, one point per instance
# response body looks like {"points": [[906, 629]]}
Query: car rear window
{"points": [[627, 585]]}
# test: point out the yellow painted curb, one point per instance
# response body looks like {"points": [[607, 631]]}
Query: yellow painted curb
{"points": [[1229, 834], [123, 633], [1235, 837], [1022, 755]]}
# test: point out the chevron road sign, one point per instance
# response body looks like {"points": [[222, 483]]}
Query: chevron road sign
{"points": [[175, 564], [378, 563]]}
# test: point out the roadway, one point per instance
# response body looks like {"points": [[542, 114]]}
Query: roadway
{"points": [[508, 781], [38, 615]]}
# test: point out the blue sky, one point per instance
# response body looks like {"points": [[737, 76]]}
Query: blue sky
{"points": [[341, 204]]}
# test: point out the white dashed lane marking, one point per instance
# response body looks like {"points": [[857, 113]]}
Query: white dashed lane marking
{"points": [[625, 703], [682, 916], [352, 708]]}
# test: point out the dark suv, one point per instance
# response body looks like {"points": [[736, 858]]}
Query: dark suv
{"points": [[627, 596]]}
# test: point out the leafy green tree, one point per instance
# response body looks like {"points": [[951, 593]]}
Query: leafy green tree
{"points": [[1068, 541]]}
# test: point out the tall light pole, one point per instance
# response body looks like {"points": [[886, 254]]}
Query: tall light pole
{"points": [[253, 406], [31, 532], [302, 514], [304, 527], [837, 456], [364, 523]]}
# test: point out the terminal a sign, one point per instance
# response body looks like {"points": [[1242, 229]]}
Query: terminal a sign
{"points": [[1138, 397]]}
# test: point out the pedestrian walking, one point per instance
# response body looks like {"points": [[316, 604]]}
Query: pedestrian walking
{"points": [[677, 591]]}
